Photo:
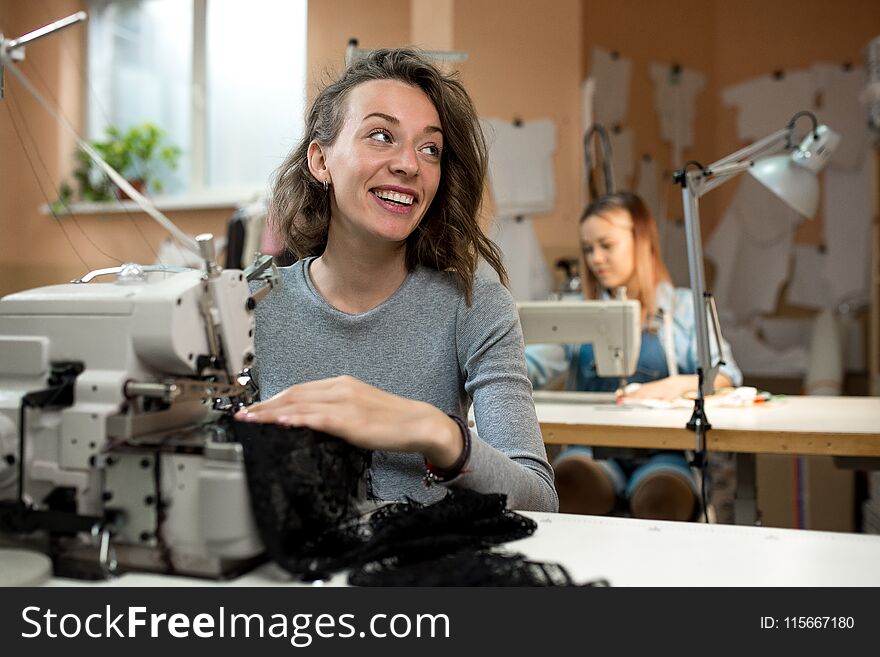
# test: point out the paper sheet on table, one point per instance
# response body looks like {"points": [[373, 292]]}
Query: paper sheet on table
{"points": [[751, 250], [809, 285], [521, 166], [727, 398], [847, 205], [675, 94], [612, 76], [530, 278], [766, 104], [842, 110]]}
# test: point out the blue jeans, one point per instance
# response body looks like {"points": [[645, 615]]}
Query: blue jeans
{"points": [[627, 474]]}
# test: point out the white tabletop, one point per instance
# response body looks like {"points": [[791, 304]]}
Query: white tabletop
{"points": [[630, 552]]}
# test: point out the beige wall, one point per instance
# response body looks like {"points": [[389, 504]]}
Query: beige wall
{"points": [[374, 23], [526, 59], [523, 63]]}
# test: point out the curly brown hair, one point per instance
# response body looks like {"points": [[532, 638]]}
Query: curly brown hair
{"points": [[449, 236]]}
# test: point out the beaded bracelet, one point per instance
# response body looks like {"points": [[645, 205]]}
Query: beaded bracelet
{"points": [[435, 475]]}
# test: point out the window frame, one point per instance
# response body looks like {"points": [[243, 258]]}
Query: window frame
{"points": [[197, 189]]}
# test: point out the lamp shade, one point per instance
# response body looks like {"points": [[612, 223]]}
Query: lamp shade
{"points": [[793, 177], [794, 184]]}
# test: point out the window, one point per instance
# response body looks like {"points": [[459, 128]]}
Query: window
{"points": [[224, 79]]}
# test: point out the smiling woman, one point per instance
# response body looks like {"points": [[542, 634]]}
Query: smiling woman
{"points": [[384, 165], [382, 333]]}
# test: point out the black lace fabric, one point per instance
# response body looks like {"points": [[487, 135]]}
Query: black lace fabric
{"points": [[305, 489], [301, 482], [403, 533], [463, 568]]}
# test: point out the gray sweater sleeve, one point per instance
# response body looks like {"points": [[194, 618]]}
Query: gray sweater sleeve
{"points": [[507, 454]]}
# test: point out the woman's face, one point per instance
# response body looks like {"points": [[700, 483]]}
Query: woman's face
{"points": [[384, 165], [608, 247]]}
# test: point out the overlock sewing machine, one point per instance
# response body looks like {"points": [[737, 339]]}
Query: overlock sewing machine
{"points": [[113, 397]]}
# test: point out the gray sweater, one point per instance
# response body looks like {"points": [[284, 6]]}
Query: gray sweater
{"points": [[423, 343]]}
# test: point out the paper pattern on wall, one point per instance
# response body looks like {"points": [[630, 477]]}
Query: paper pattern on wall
{"points": [[756, 358], [847, 204], [781, 333], [751, 250], [675, 96], [809, 285], [673, 239], [612, 76], [766, 104], [647, 185], [622, 158], [842, 110], [673, 247], [530, 278], [521, 166]]}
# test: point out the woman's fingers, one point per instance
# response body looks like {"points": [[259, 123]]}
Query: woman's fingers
{"points": [[337, 388], [361, 414]]}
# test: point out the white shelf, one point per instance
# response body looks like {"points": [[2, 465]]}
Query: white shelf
{"points": [[225, 199]]}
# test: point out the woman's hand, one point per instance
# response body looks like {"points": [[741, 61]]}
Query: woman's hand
{"points": [[668, 389], [364, 416]]}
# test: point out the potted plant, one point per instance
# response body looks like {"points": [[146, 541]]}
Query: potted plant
{"points": [[137, 154]]}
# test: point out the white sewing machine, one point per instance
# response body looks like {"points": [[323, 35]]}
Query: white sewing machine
{"points": [[110, 449], [113, 448], [613, 327]]}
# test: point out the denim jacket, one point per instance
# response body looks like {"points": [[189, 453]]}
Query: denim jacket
{"points": [[550, 364]]}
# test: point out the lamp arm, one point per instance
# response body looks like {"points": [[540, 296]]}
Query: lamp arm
{"points": [[695, 184], [78, 17], [772, 142], [720, 175], [698, 285]]}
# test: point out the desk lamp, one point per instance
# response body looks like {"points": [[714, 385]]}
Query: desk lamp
{"points": [[791, 174]]}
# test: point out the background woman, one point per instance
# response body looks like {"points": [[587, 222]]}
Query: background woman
{"points": [[620, 246]]}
